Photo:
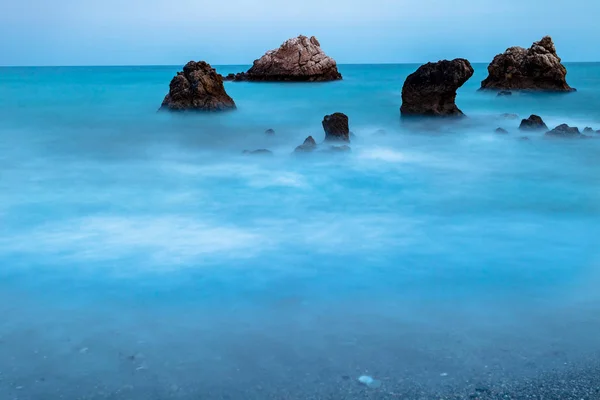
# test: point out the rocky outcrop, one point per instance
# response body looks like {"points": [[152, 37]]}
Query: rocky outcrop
{"points": [[534, 122], [564, 131], [308, 145], [298, 59], [340, 149], [588, 129], [259, 152], [197, 88], [336, 127], [536, 68], [501, 131], [270, 132], [431, 89]]}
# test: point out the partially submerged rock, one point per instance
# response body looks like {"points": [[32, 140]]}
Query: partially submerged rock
{"points": [[308, 145], [297, 59], [431, 89], [509, 116], [340, 149], [504, 93], [260, 152], [536, 68], [565, 131], [336, 127], [270, 132], [587, 129], [534, 122], [501, 131], [197, 88]]}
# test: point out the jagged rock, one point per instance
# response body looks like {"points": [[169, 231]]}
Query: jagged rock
{"points": [[431, 89], [536, 68], [534, 122], [198, 88], [504, 93], [501, 131], [261, 152], [587, 129], [564, 131], [269, 132], [308, 145], [336, 127], [298, 59]]}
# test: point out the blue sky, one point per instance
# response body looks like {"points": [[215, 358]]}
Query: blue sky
{"points": [[136, 32]]}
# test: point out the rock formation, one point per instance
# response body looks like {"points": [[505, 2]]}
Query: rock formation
{"points": [[197, 88], [431, 89], [340, 149], [588, 129], [308, 145], [336, 127], [259, 152], [298, 59], [536, 68], [270, 132], [534, 122], [564, 131], [501, 131]]}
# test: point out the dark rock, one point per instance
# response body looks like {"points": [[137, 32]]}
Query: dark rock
{"points": [[524, 138], [536, 68], [564, 131], [587, 129], [298, 59], [198, 88], [534, 122], [509, 116], [336, 127], [431, 89], [501, 130], [504, 93], [262, 152], [340, 149], [269, 132], [308, 145]]}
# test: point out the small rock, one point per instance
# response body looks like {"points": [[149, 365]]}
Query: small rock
{"points": [[504, 93], [380, 132], [336, 127], [587, 129], [501, 131], [534, 122], [524, 138], [263, 152], [564, 131], [308, 145], [340, 149], [509, 116], [270, 132]]}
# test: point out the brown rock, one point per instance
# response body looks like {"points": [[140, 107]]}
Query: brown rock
{"points": [[336, 127], [197, 88], [298, 59], [534, 122], [308, 145], [431, 90], [536, 68], [565, 131]]}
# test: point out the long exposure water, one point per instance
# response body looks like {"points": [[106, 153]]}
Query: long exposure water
{"points": [[142, 256]]}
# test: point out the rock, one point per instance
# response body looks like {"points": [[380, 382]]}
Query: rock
{"points": [[298, 59], [564, 131], [336, 127], [269, 132], [431, 89], [524, 138], [340, 149], [536, 68], [380, 132], [501, 130], [308, 145], [198, 88], [504, 93], [369, 382], [509, 116], [262, 152], [534, 122], [587, 129]]}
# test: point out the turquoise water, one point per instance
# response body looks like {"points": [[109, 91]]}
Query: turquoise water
{"points": [[143, 256]]}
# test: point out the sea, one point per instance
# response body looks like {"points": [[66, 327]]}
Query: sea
{"points": [[143, 256]]}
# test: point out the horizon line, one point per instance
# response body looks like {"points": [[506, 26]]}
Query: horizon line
{"points": [[236, 65]]}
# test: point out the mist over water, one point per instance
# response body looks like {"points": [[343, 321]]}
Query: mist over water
{"points": [[142, 256]]}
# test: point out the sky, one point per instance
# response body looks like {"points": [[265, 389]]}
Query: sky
{"points": [[172, 32]]}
